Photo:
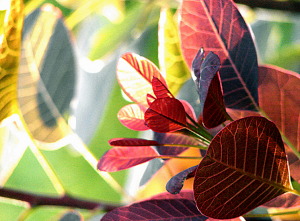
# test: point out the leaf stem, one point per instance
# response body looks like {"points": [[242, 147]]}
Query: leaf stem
{"points": [[183, 145], [179, 157]]}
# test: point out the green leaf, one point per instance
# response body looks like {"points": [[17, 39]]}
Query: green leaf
{"points": [[11, 209], [171, 59], [2, 16], [108, 38]]}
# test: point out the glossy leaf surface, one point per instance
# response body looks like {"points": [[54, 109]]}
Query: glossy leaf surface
{"points": [[135, 75], [166, 115], [218, 26], [132, 117], [165, 209], [121, 158], [175, 184], [245, 166], [171, 60]]}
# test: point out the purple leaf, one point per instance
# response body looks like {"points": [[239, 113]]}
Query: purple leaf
{"points": [[175, 184], [164, 209], [132, 142]]}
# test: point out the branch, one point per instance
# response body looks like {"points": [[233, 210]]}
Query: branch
{"points": [[291, 5], [36, 200]]}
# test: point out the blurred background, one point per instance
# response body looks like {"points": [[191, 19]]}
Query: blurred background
{"points": [[69, 97]]}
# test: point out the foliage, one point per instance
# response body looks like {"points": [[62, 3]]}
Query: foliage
{"points": [[219, 128]]}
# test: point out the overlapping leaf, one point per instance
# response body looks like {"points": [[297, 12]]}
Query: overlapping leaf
{"points": [[171, 61], [164, 209], [121, 158], [10, 47], [218, 26], [135, 75], [132, 116], [160, 90], [245, 166], [132, 142], [46, 79], [166, 115]]}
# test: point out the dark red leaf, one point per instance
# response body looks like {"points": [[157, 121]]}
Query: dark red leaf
{"points": [[216, 25], [175, 184], [150, 98], [164, 209], [132, 142], [214, 112], [121, 158], [245, 167], [135, 74], [160, 90], [166, 115]]}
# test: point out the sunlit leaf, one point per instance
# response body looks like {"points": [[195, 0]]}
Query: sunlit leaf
{"points": [[164, 209], [175, 184], [166, 115], [46, 79], [218, 26], [10, 47], [245, 166], [121, 158], [171, 61], [160, 90], [11, 209], [132, 142], [132, 116], [287, 200], [135, 75]]}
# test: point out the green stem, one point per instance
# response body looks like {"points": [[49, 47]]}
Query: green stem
{"points": [[183, 145], [179, 157]]}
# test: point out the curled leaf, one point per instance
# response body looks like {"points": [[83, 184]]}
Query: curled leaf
{"points": [[175, 184]]}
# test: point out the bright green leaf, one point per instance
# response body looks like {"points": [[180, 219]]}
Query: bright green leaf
{"points": [[11, 209]]}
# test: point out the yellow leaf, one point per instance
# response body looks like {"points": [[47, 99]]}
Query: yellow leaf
{"points": [[170, 57], [9, 58]]}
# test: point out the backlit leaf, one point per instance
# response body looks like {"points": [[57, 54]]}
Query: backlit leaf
{"points": [[166, 115], [287, 200], [132, 142], [175, 184], [216, 25], [214, 112], [10, 47], [171, 61], [160, 90], [47, 76], [245, 166], [121, 158], [135, 75], [132, 116], [164, 209]]}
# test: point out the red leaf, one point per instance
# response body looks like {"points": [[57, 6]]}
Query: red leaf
{"points": [[150, 98], [160, 90], [184, 194], [216, 25], [287, 200], [132, 117], [189, 110], [214, 112], [165, 115], [245, 166], [132, 142], [121, 158], [164, 209], [135, 74]]}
